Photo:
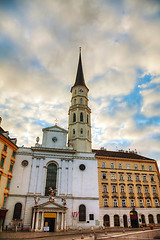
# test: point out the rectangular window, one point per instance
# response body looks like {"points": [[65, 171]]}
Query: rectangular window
{"points": [[121, 177], [150, 168], [136, 166], [154, 190], [14, 153], [114, 189], [129, 175], [139, 189], [128, 166], [146, 189], [105, 202], [103, 165], [2, 162], [156, 202], [113, 176], [122, 189], [137, 178], [112, 165], [132, 203], [11, 167], [120, 165], [148, 202], [5, 148], [143, 168], [152, 178], [144, 178], [141, 202], [115, 203], [104, 175], [91, 216], [123, 202], [104, 188], [130, 189], [8, 183], [4, 202]]}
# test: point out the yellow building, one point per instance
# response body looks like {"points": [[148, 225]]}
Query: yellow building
{"points": [[7, 150], [128, 189]]}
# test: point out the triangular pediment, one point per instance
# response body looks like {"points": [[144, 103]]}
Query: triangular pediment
{"points": [[55, 128], [51, 205]]}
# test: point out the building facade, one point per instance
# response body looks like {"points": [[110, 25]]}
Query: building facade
{"points": [[7, 150], [129, 191]]}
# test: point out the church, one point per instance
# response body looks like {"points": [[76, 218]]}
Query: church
{"points": [[55, 184]]}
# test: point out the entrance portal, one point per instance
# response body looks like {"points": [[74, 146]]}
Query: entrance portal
{"points": [[50, 222], [134, 219]]}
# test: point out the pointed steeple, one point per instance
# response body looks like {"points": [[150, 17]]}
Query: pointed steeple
{"points": [[79, 77]]}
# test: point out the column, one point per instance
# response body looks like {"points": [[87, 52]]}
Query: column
{"points": [[40, 177], [62, 222], [63, 177], [70, 177], [59, 181], [42, 221], [37, 219], [32, 179], [57, 221], [33, 219]]}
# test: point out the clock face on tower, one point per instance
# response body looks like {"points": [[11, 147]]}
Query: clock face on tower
{"points": [[80, 90]]}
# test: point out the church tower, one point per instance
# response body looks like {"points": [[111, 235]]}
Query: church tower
{"points": [[79, 131]]}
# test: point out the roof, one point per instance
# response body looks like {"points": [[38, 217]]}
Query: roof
{"points": [[1, 130], [79, 77], [130, 155], [54, 128]]}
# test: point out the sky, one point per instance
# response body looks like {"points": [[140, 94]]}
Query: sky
{"points": [[120, 40]]}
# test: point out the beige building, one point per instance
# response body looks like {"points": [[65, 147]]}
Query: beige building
{"points": [[129, 190], [7, 150]]}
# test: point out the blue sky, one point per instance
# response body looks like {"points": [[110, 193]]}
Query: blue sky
{"points": [[39, 42]]}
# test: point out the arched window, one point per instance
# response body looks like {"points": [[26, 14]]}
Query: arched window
{"points": [[130, 189], [122, 189], [158, 218], [116, 221], [82, 213], [143, 219], [106, 221], [81, 117], [80, 100], [81, 130], [150, 218], [51, 177], [17, 211], [74, 117], [74, 131], [87, 118], [74, 101], [125, 222]]}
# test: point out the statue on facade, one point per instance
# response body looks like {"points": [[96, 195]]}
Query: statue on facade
{"points": [[64, 201], [37, 142], [52, 194], [36, 199]]}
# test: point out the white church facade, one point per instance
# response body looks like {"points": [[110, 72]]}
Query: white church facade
{"points": [[55, 184]]}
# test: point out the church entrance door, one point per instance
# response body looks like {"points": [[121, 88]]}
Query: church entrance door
{"points": [[50, 222]]}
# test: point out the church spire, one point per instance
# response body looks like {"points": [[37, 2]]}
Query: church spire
{"points": [[79, 77]]}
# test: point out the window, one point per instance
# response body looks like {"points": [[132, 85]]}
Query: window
{"points": [[150, 168], [148, 202], [106, 220], [123, 202], [105, 202], [91, 216], [80, 100], [74, 117], [120, 165], [8, 183], [121, 177], [104, 175], [11, 167], [154, 189], [112, 165], [141, 202], [87, 118], [146, 189], [5, 148], [74, 101], [156, 202], [130, 189], [74, 131], [152, 178], [103, 165], [139, 189], [143, 168], [115, 202], [129, 175], [122, 189], [116, 221], [51, 177], [114, 189], [135, 166], [113, 176], [104, 188], [81, 117], [2, 162], [144, 178], [17, 211], [82, 213], [14, 153], [128, 166], [88, 133], [132, 203], [81, 130], [150, 218], [4, 201], [158, 218], [137, 178]]}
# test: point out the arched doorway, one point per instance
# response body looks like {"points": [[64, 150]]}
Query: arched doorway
{"points": [[125, 223], [17, 211], [158, 218], [82, 213], [143, 219], [51, 177], [116, 221], [106, 221], [150, 218], [134, 219]]}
